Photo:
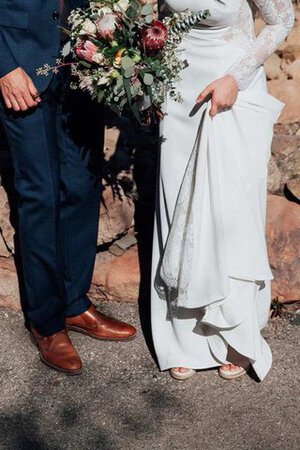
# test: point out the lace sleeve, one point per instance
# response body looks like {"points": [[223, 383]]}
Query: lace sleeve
{"points": [[279, 18]]}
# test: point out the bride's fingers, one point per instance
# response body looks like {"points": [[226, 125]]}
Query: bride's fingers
{"points": [[214, 108], [202, 96]]}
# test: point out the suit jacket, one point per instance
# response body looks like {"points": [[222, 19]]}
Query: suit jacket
{"points": [[30, 35]]}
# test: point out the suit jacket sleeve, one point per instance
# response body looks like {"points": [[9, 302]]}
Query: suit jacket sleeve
{"points": [[7, 59]]}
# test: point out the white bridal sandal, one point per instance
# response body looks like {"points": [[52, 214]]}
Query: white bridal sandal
{"points": [[232, 374], [182, 376]]}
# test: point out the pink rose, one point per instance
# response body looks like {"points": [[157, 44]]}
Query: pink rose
{"points": [[106, 26], [86, 51], [155, 36]]}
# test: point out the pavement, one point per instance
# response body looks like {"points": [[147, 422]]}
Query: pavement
{"points": [[122, 401]]}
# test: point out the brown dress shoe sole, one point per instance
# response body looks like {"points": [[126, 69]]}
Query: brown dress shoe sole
{"points": [[58, 369], [81, 330]]}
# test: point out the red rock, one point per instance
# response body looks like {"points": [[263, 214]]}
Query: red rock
{"points": [[117, 277], [9, 286], [111, 139], [7, 230], [4, 253], [274, 177], [294, 187], [294, 37], [288, 91], [286, 152], [290, 52], [116, 215], [272, 67], [283, 237], [293, 70]]}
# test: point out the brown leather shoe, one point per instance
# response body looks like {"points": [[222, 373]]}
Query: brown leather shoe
{"points": [[58, 352], [98, 326]]}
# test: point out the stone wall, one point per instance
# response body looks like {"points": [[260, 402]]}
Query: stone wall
{"points": [[283, 227], [121, 271]]}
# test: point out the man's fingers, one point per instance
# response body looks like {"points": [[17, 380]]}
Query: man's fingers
{"points": [[33, 91], [29, 100], [15, 104], [7, 102], [19, 91], [22, 103]]}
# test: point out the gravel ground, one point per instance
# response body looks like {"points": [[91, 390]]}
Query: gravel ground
{"points": [[122, 401]]}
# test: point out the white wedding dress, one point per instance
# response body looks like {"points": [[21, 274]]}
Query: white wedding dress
{"points": [[211, 276]]}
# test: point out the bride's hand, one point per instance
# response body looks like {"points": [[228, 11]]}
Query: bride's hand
{"points": [[223, 93]]}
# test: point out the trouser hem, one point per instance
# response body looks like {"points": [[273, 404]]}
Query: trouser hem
{"points": [[78, 307], [50, 327]]}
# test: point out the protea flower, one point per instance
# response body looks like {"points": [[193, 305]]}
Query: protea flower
{"points": [[155, 36], [86, 50], [106, 26]]}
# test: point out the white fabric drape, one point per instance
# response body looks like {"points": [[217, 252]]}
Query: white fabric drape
{"points": [[211, 277]]}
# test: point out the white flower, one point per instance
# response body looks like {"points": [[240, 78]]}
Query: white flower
{"points": [[75, 22], [98, 58], [105, 79], [86, 83], [104, 10], [121, 6], [88, 27]]}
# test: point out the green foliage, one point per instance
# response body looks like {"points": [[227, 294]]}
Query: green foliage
{"points": [[117, 64]]}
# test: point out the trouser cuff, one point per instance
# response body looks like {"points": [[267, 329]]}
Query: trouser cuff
{"points": [[52, 326], [78, 307]]}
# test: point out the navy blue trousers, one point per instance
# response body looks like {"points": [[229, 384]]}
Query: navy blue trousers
{"points": [[56, 151]]}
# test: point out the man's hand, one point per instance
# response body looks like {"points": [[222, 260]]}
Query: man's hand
{"points": [[18, 90], [223, 92]]}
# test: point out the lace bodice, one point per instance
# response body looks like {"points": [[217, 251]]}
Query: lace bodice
{"points": [[236, 16]]}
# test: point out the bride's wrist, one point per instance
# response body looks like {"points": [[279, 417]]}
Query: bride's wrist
{"points": [[232, 77]]}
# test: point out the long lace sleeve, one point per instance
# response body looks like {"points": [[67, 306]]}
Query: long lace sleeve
{"points": [[279, 18]]}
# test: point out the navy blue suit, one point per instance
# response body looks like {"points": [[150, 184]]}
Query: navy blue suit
{"points": [[56, 151]]}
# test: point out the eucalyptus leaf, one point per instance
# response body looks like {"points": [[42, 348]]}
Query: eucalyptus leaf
{"points": [[149, 18], [85, 64], [66, 50], [127, 62], [135, 90], [134, 10], [148, 79], [119, 84], [100, 96], [146, 9], [128, 73], [123, 102], [150, 94], [127, 90]]}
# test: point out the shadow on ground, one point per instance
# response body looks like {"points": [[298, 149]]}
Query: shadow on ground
{"points": [[121, 401]]}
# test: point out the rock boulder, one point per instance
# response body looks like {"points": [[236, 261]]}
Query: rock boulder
{"points": [[283, 237]]}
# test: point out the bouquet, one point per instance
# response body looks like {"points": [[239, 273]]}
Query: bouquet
{"points": [[123, 56]]}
